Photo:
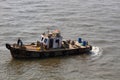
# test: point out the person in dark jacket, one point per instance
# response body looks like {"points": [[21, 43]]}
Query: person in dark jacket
{"points": [[19, 42]]}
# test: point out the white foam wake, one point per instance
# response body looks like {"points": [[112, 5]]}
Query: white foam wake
{"points": [[96, 51]]}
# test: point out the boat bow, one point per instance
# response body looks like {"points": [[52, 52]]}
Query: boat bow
{"points": [[8, 46]]}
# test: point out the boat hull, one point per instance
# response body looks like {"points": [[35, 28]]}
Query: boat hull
{"points": [[21, 53]]}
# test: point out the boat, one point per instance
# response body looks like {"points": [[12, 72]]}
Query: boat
{"points": [[51, 44]]}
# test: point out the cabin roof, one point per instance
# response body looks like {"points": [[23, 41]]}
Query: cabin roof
{"points": [[53, 34]]}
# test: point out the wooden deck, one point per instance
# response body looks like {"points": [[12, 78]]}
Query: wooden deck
{"points": [[36, 48]]}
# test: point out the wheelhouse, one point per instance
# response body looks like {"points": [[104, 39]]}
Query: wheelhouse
{"points": [[52, 39]]}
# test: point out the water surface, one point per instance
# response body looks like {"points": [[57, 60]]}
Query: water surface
{"points": [[94, 20]]}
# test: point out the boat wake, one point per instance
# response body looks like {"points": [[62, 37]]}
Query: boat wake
{"points": [[96, 52]]}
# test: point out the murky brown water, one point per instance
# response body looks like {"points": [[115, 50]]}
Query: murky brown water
{"points": [[97, 21]]}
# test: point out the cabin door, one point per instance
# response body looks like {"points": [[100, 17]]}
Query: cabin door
{"points": [[51, 43]]}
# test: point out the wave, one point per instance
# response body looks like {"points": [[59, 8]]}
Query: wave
{"points": [[96, 52]]}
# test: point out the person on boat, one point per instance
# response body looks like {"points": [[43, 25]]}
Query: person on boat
{"points": [[19, 42]]}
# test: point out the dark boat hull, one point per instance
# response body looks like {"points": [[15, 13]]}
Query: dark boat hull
{"points": [[21, 53]]}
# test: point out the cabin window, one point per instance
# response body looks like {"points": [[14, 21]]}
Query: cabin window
{"points": [[42, 39], [57, 41], [45, 40]]}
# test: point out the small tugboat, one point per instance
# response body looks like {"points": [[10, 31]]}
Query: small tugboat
{"points": [[50, 44]]}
